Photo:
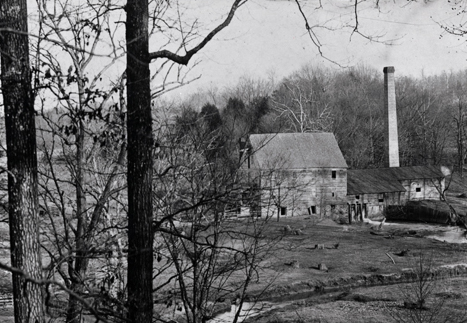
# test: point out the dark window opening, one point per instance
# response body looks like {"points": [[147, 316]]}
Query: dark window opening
{"points": [[333, 194], [312, 210], [283, 210], [357, 197], [334, 174], [418, 189], [333, 207], [380, 198]]}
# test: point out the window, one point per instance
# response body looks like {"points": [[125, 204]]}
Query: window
{"points": [[380, 198], [418, 189], [333, 174], [333, 207], [333, 194], [312, 210], [357, 197], [283, 211]]}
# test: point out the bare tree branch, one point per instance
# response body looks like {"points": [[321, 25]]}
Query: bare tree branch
{"points": [[184, 59], [48, 282]]}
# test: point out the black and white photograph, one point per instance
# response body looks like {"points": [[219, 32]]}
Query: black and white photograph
{"points": [[233, 161]]}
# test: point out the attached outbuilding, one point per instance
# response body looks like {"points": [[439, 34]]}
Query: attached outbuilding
{"points": [[372, 191], [306, 173]]}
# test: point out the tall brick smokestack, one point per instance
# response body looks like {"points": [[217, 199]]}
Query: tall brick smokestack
{"points": [[392, 141]]}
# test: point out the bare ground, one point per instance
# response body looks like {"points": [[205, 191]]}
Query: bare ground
{"points": [[358, 285], [353, 250], [356, 257]]}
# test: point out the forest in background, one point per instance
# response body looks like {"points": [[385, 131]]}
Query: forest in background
{"points": [[347, 102], [129, 198], [81, 158]]}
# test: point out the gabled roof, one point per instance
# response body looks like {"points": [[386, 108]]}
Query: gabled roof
{"points": [[296, 151], [385, 180]]}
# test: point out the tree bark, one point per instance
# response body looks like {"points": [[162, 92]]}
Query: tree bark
{"points": [[82, 237], [140, 143], [460, 137], [22, 160], [140, 148]]}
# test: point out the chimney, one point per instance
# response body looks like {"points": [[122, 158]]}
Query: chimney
{"points": [[392, 141]]}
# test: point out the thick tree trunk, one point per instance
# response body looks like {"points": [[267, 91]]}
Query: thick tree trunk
{"points": [[140, 143], [22, 160]]}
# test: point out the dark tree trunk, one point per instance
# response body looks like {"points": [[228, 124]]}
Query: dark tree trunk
{"points": [[140, 143], [22, 161], [460, 138]]}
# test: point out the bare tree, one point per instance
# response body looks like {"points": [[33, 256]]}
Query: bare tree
{"points": [[140, 149], [18, 102], [421, 299], [81, 120], [213, 256], [85, 32], [302, 100], [424, 123], [443, 187], [140, 166], [460, 125]]}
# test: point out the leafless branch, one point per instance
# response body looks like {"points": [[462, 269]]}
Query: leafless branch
{"points": [[184, 59], [47, 282]]}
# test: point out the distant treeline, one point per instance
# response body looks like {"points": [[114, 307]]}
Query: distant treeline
{"points": [[346, 102]]}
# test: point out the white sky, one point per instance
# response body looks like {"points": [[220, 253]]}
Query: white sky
{"points": [[269, 36]]}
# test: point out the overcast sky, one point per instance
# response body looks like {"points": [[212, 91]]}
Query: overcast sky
{"points": [[269, 36]]}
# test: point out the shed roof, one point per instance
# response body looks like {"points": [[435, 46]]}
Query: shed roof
{"points": [[296, 151], [371, 181], [385, 180]]}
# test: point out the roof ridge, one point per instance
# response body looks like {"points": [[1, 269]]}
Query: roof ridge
{"points": [[298, 150]]}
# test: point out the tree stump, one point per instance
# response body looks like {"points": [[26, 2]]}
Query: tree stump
{"points": [[323, 267]]}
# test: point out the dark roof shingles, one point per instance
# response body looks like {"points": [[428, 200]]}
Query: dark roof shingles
{"points": [[385, 180]]}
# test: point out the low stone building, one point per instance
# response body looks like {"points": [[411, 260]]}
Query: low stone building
{"points": [[305, 173], [371, 191]]}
